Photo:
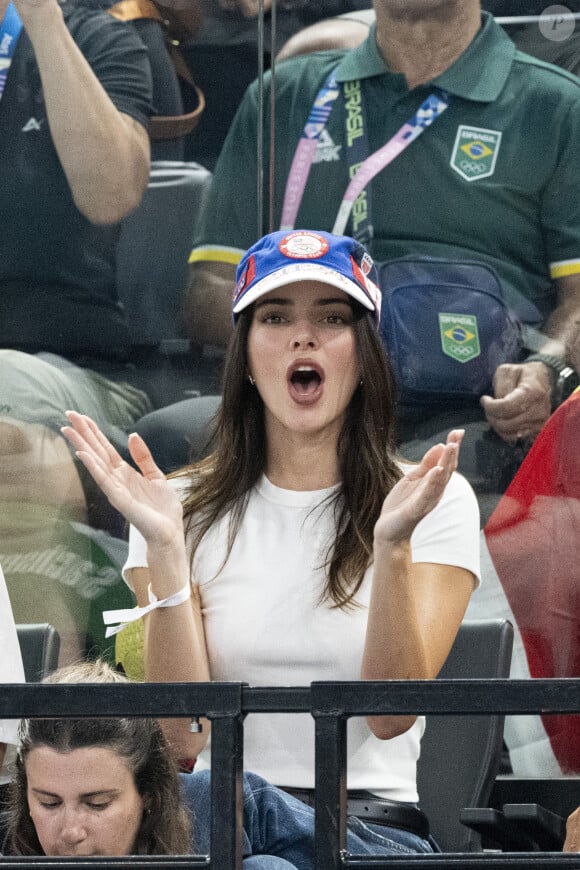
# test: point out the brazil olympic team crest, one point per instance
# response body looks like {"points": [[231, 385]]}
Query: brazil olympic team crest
{"points": [[302, 245], [475, 152], [459, 336]]}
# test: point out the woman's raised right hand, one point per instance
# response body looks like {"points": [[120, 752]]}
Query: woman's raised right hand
{"points": [[144, 497]]}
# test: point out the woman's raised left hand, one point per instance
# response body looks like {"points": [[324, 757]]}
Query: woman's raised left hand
{"points": [[417, 493], [144, 497]]}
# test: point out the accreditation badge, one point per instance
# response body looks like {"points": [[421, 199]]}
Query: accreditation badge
{"points": [[475, 152]]}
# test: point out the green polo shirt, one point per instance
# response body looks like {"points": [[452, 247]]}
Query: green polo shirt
{"points": [[495, 178]]}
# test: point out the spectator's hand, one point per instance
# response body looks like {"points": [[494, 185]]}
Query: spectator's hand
{"points": [[572, 843], [144, 497], [417, 493], [573, 348], [522, 401], [248, 8]]}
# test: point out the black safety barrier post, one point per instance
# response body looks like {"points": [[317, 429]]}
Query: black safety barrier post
{"points": [[227, 763], [330, 785]]}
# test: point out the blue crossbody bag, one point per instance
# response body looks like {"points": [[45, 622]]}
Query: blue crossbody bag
{"points": [[446, 326]]}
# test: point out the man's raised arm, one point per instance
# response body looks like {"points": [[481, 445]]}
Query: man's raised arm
{"points": [[104, 153]]}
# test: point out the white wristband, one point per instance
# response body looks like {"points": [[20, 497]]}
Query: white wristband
{"points": [[125, 617]]}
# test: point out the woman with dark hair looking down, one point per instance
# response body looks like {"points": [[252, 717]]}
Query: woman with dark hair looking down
{"points": [[95, 786], [100, 786]]}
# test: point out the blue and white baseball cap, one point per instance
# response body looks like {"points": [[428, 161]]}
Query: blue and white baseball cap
{"points": [[285, 257]]}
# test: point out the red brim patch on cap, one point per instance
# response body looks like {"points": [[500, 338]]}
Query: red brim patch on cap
{"points": [[245, 279], [357, 273]]}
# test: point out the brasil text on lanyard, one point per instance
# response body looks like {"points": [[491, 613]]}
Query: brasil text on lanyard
{"points": [[368, 166]]}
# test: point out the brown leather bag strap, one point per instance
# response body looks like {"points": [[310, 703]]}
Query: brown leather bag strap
{"points": [[163, 127], [181, 68], [174, 126]]}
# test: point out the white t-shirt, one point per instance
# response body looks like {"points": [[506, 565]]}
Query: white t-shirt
{"points": [[11, 671], [264, 625]]}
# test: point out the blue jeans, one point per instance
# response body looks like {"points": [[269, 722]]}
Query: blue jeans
{"points": [[277, 825]]}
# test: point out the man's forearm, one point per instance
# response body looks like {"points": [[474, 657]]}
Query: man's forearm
{"points": [[209, 303], [104, 154], [563, 325]]}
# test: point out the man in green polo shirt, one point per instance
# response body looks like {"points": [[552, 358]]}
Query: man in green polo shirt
{"points": [[495, 178]]}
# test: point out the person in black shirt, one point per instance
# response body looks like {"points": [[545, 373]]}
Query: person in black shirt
{"points": [[74, 160]]}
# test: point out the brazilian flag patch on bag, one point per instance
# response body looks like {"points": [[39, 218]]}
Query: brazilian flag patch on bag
{"points": [[459, 336]]}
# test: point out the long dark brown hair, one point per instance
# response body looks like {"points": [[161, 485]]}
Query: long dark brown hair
{"points": [[368, 468], [165, 827]]}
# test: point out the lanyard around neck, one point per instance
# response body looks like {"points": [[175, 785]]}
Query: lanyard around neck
{"points": [[9, 33], [306, 149], [429, 110], [369, 166]]}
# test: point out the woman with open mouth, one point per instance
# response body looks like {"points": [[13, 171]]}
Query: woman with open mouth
{"points": [[302, 548]]}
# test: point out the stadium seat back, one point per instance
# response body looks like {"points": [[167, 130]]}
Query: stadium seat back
{"points": [[39, 647], [153, 251], [461, 755]]}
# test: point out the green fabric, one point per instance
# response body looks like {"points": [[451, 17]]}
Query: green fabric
{"points": [[55, 573], [39, 388], [520, 219], [129, 650]]}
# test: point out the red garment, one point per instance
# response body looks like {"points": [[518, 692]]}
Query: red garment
{"points": [[533, 537]]}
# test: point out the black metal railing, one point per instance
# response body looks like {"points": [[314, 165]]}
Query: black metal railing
{"points": [[331, 704]]}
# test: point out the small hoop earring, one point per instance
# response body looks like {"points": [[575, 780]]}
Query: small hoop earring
{"points": [[361, 383], [251, 380]]}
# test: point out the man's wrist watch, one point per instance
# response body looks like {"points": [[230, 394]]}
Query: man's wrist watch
{"points": [[563, 378]]}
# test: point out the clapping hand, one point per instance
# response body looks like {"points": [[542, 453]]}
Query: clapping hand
{"points": [[417, 493], [144, 497]]}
